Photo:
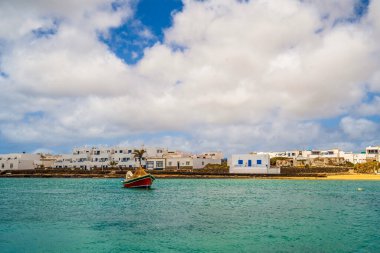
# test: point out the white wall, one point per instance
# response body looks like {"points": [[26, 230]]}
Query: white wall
{"points": [[152, 163], [19, 161], [252, 164], [183, 161], [200, 163]]}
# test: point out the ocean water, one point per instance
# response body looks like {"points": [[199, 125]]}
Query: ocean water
{"points": [[188, 215]]}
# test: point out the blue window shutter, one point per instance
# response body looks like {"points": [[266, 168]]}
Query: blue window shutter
{"points": [[249, 163], [240, 162], [258, 161]]}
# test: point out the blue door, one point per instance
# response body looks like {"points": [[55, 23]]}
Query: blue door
{"points": [[249, 163]]}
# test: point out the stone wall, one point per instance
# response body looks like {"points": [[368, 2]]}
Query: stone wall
{"points": [[313, 170]]}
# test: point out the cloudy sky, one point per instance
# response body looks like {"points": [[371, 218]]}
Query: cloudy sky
{"points": [[229, 75]]}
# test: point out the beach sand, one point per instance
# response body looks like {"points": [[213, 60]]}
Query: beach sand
{"points": [[373, 177], [354, 177]]}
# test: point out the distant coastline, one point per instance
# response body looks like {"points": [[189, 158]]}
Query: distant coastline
{"points": [[186, 175]]}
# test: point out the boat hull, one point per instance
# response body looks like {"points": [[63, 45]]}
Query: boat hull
{"points": [[140, 182]]}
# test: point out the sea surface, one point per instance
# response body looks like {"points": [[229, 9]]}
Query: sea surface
{"points": [[189, 215]]}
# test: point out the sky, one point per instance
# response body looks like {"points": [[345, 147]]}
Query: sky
{"points": [[229, 75]]}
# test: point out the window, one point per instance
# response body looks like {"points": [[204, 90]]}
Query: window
{"points": [[11, 165], [240, 162], [2, 165], [187, 163], [249, 163], [170, 163], [129, 151], [150, 164], [259, 162], [159, 164]]}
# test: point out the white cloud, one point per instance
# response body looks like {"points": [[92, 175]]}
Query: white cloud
{"points": [[230, 75], [359, 129], [369, 109]]}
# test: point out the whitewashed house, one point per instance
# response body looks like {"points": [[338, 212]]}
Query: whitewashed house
{"points": [[81, 158], [179, 163], [274, 154], [200, 162], [19, 161], [123, 156], [100, 157], [252, 164], [47, 161], [64, 162], [217, 155], [105, 157], [372, 153], [155, 163]]}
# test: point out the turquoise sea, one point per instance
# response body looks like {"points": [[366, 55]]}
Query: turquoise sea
{"points": [[189, 215]]}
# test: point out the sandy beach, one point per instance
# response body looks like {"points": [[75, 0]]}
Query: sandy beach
{"points": [[371, 177], [354, 177]]}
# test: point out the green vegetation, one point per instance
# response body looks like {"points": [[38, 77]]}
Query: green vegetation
{"points": [[274, 160], [223, 168], [113, 164], [368, 167], [139, 154]]}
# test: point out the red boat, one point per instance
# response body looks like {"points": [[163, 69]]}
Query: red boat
{"points": [[140, 179]]}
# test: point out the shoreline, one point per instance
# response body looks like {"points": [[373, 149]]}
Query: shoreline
{"points": [[345, 177]]}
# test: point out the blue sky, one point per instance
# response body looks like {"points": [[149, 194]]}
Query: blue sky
{"points": [[250, 75], [126, 40]]}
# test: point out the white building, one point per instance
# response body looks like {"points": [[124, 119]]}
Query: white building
{"points": [[19, 161], [313, 154], [81, 158], [105, 157], [179, 162], [47, 161], [200, 163], [372, 153], [201, 160], [354, 157], [101, 157], [274, 154], [155, 163], [123, 157], [64, 162], [218, 155], [252, 164]]}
